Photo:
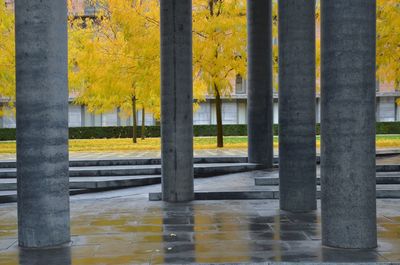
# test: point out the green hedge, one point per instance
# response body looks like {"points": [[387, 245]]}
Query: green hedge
{"points": [[7, 134], [154, 131], [388, 127]]}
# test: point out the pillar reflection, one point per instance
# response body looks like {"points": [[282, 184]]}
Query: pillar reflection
{"points": [[277, 236], [177, 237], [51, 256]]}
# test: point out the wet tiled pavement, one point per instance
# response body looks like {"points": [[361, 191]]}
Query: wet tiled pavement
{"points": [[123, 227]]}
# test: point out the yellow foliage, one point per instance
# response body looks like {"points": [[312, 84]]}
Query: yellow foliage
{"points": [[388, 41], [219, 45], [116, 57], [7, 57]]}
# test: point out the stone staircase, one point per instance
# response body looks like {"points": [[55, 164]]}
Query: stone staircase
{"points": [[385, 175], [107, 174], [98, 175]]}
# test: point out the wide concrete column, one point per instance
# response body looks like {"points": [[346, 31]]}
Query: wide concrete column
{"points": [[348, 123], [176, 100], [259, 100], [297, 155], [42, 122]]}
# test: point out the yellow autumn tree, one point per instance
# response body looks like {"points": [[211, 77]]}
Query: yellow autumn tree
{"points": [[318, 46], [7, 59], [388, 41], [219, 49], [116, 58]]}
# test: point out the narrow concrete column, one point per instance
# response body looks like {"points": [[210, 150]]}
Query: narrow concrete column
{"points": [[348, 123], [259, 101], [176, 100], [297, 155], [42, 122]]}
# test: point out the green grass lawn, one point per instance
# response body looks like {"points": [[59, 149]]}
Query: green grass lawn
{"points": [[125, 144]]}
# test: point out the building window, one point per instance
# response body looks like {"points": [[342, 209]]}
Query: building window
{"points": [[74, 116], [239, 85], [229, 113], [202, 115]]}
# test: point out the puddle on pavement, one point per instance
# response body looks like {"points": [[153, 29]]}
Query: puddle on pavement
{"points": [[191, 233]]}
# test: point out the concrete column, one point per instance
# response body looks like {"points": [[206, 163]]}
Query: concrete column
{"points": [[176, 100], [297, 155], [259, 101], [42, 122], [348, 123]]}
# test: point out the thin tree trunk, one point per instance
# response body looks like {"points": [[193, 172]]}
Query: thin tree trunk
{"points": [[143, 132], [134, 134], [218, 105]]}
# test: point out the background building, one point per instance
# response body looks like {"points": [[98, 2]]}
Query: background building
{"points": [[234, 108]]}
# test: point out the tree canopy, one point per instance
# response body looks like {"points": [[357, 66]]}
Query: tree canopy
{"points": [[7, 58], [388, 41], [115, 56], [219, 44]]}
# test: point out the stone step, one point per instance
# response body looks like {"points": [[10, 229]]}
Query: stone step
{"points": [[382, 192], [138, 161], [11, 196], [200, 170], [157, 161], [387, 168], [94, 183], [381, 178]]}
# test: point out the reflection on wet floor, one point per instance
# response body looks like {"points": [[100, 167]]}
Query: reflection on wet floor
{"points": [[127, 231]]}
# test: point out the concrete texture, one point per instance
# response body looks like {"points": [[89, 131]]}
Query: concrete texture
{"points": [[260, 106], [382, 192], [385, 163], [348, 123], [200, 170], [225, 195], [96, 183], [176, 100], [381, 178], [42, 122], [233, 186], [297, 148]]}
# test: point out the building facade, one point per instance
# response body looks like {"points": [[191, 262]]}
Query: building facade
{"points": [[234, 110]]}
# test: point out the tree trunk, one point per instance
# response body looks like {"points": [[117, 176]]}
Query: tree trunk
{"points": [[143, 132], [134, 118], [220, 132]]}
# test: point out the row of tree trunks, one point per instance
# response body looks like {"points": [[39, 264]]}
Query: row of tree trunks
{"points": [[218, 103]]}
